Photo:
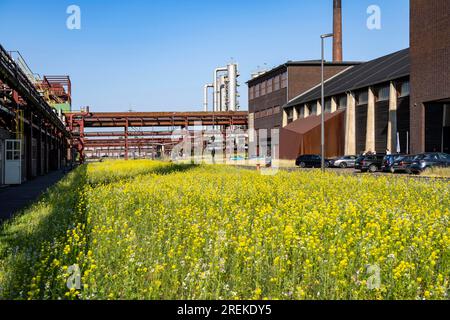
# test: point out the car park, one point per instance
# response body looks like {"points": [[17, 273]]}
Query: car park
{"points": [[344, 162]]}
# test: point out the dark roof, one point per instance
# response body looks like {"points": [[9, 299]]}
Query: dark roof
{"points": [[305, 125], [387, 68], [304, 63]]}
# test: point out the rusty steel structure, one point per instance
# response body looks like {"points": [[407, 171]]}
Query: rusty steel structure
{"points": [[27, 117], [135, 129]]}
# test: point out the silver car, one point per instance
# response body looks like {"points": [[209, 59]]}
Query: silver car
{"points": [[344, 162]]}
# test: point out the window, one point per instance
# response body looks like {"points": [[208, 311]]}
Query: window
{"points": [[257, 88], [269, 86], [276, 110], [383, 93], [284, 80], [301, 112], [290, 114], [328, 106], [276, 83], [263, 88], [362, 97], [342, 102], [404, 89], [269, 112], [251, 92], [313, 108]]}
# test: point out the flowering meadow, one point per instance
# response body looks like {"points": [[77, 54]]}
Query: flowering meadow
{"points": [[156, 230]]}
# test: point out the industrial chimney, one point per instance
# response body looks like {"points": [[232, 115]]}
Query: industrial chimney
{"points": [[337, 31]]}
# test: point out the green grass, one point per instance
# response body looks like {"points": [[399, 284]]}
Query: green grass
{"points": [[155, 230]]}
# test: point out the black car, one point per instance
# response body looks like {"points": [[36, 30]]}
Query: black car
{"points": [[402, 164], [429, 160], [311, 161], [389, 160], [371, 163]]}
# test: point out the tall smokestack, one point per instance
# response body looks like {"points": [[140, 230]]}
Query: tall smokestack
{"points": [[337, 31]]}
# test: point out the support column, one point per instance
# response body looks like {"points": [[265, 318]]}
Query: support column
{"points": [[285, 118], [370, 128], [29, 155], [307, 110], [319, 108], [350, 125], [333, 104], [39, 149], [46, 151], [392, 124], [126, 139], [295, 113]]}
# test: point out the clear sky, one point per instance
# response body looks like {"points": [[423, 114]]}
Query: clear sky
{"points": [[157, 55]]}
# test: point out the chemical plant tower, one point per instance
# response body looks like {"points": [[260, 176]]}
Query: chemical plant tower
{"points": [[225, 93]]}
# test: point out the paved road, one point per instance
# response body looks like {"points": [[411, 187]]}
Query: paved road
{"points": [[14, 198]]}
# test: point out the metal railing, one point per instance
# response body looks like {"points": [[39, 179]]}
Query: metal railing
{"points": [[16, 79]]}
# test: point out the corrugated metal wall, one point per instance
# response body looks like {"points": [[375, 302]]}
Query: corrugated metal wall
{"points": [[361, 128]]}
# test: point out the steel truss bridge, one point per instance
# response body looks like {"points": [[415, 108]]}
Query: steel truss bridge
{"points": [[132, 129]]}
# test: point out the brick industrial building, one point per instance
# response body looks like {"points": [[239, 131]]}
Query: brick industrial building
{"points": [[366, 109], [398, 102], [430, 75], [269, 92]]}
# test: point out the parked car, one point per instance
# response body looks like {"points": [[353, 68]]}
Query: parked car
{"points": [[402, 164], [344, 162], [371, 163], [429, 160], [389, 160], [311, 161]]}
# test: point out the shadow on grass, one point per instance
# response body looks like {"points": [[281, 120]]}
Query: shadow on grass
{"points": [[159, 170], [34, 237], [25, 238]]}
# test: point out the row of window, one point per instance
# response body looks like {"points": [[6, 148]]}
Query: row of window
{"points": [[268, 112], [362, 98], [312, 109], [266, 87], [382, 93]]}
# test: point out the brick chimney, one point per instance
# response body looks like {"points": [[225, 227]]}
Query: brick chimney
{"points": [[337, 31]]}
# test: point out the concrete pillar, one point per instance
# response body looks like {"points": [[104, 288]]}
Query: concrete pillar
{"points": [[333, 104], [295, 113], [370, 128], [350, 125], [285, 118], [307, 110], [319, 108], [392, 124]]}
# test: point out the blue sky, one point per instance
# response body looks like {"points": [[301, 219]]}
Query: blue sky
{"points": [[157, 55]]}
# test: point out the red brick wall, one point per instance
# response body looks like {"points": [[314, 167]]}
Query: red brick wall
{"points": [[304, 78], [300, 79], [430, 62]]}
